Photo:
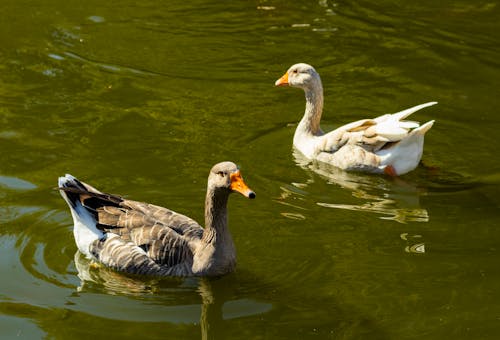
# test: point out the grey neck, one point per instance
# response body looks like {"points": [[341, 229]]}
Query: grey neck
{"points": [[310, 123], [216, 230]]}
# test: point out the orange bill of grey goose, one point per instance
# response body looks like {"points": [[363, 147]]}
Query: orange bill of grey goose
{"points": [[145, 239], [386, 144]]}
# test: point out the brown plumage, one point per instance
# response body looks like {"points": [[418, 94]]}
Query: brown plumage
{"points": [[146, 239]]}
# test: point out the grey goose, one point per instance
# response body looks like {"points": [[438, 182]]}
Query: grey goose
{"points": [[145, 239]]}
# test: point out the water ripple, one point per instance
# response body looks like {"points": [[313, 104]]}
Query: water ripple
{"points": [[15, 183], [110, 67]]}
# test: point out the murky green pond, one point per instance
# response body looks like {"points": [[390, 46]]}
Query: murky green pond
{"points": [[141, 98]]}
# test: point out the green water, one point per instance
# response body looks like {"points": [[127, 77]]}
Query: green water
{"points": [[141, 98]]}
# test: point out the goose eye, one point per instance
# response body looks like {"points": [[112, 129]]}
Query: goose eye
{"points": [[221, 173], [295, 71]]}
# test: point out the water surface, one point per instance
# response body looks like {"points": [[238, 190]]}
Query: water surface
{"points": [[142, 98]]}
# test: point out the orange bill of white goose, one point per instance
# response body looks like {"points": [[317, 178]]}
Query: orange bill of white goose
{"points": [[145, 239], [386, 144]]}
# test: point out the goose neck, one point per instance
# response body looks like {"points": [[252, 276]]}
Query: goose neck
{"points": [[310, 123], [215, 216]]}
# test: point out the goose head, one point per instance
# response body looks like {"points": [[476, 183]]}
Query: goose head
{"points": [[226, 177], [300, 75]]}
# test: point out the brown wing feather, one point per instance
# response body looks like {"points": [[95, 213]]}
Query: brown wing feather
{"points": [[163, 234], [178, 222], [158, 233], [125, 256], [361, 133]]}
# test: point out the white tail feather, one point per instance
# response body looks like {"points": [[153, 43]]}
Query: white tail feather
{"points": [[84, 230], [405, 113], [391, 131], [405, 155], [424, 128]]}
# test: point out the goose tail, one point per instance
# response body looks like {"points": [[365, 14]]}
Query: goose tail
{"points": [[71, 189], [405, 113], [85, 226]]}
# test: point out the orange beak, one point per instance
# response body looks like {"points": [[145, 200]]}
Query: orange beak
{"points": [[237, 184], [283, 81]]}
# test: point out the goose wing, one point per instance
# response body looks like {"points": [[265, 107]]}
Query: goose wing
{"points": [[372, 134], [165, 236], [138, 237]]}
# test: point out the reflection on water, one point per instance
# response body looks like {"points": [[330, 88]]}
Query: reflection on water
{"points": [[162, 91], [418, 248], [111, 281], [394, 199], [216, 303]]}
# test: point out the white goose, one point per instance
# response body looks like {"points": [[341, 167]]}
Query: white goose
{"points": [[386, 144], [145, 239]]}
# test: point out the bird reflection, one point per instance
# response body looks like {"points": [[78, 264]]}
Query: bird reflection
{"points": [[393, 198], [113, 282], [211, 310], [117, 283], [218, 299]]}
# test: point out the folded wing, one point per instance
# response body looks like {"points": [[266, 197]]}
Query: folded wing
{"points": [[373, 134]]}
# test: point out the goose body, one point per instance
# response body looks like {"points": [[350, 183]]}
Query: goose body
{"points": [[386, 144], [145, 239]]}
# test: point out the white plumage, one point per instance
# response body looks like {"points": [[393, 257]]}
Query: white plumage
{"points": [[386, 144]]}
